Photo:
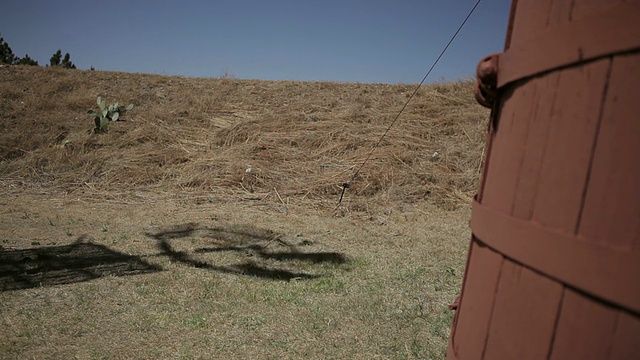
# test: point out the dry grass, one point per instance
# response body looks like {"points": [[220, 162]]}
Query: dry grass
{"points": [[302, 140], [231, 263]]}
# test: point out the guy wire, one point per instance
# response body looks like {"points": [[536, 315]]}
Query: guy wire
{"points": [[346, 185]]}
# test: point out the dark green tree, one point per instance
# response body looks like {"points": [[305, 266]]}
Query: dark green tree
{"points": [[26, 60], [6, 54], [66, 62], [55, 59]]}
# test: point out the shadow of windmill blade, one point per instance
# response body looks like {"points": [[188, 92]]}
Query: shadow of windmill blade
{"points": [[57, 265]]}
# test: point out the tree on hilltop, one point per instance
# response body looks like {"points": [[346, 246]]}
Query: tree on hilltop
{"points": [[66, 62], [57, 60], [6, 54], [8, 57], [26, 60]]}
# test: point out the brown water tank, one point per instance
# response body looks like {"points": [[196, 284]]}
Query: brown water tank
{"points": [[553, 270]]}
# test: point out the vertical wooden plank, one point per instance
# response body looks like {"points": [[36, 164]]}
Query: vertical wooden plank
{"points": [[559, 13], [530, 19], [524, 314], [567, 156], [487, 155], [507, 147], [585, 329], [582, 8], [510, 24], [478, 291], [529, 173], [612, 203], [626, 338]]}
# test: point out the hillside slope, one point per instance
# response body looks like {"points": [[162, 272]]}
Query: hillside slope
{"points": [[282, 141]]}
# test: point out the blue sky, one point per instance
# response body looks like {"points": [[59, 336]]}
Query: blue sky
{"points": [[392, 41]]}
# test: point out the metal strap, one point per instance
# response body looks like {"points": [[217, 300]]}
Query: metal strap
{"points": [[616, 30], [608, 274]]}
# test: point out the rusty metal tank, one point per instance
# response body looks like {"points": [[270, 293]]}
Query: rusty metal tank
{"points": [[553, 270]]}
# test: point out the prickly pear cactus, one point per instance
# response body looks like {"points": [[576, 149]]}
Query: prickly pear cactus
{"points": [[106, 114]]}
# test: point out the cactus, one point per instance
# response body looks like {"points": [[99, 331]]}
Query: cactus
{"points": [[106, 114]]}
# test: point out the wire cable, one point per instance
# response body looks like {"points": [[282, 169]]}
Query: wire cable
{"points": [[346, 185]]}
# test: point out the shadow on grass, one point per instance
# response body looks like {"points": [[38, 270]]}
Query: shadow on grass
{"points": [[57, 265], [248, 240]]}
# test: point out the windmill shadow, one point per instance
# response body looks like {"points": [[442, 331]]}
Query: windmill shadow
{"points": [[246, 240], [66, 264]]}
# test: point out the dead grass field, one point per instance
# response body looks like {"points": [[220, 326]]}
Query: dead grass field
{"points": [[155, 241]]}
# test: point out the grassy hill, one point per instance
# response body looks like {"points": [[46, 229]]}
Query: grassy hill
{"points": [[205, 224], [201, 136]]}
